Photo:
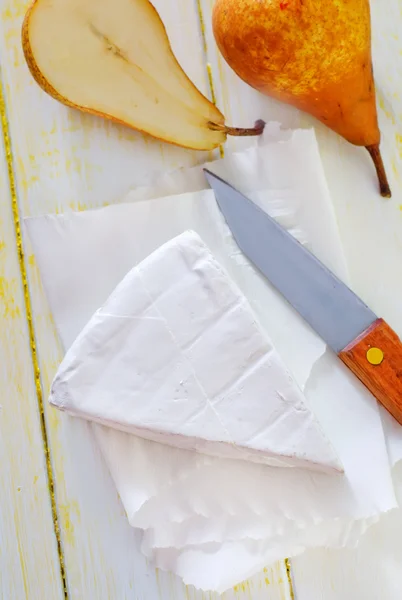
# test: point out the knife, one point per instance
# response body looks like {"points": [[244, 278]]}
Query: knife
{"points": [[365, 343]]}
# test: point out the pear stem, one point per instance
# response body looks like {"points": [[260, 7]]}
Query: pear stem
{"points": [[375, 154], [239, 131]]}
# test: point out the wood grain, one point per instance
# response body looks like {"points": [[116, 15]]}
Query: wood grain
{"points": [[384, 380], [371, 232], [66, 161], [370, 572], [29, 562]]}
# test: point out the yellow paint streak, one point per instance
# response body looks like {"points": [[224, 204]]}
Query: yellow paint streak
{"points": [[8, 287], [400, 207], [25, 181], [213, 97], [211, 83], [289, 576], [398, 139], [30, 324], [53, 416], [11, 37], [387, 113], [158, 583], [202, 26], [395, 169], [209, 68], [78, 206], [21, 555], [66, 512], [32, 160], [68, 527], [243, 587], [15, 11]]}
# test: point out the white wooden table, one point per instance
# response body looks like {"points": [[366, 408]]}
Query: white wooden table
{"points": [[63, 532]]}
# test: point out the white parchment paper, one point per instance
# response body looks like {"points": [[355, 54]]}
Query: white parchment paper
{"points": [[216, 522]]}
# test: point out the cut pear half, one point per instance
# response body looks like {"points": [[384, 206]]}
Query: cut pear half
{"points": [[113, 59]]}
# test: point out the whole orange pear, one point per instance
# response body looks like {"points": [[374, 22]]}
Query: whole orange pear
{"points": [[313, 54]]}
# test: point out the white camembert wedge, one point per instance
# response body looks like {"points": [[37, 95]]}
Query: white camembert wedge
{"points": [[176, 356]]}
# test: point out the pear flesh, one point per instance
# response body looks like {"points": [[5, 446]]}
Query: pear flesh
{"points": [[313, 54], [113, 59]]}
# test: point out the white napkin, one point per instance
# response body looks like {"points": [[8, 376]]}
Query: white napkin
{"points": [[215, 522]]}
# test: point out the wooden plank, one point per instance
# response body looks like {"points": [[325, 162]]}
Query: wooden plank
{"points": [[371, 231], [29, 560], [63, 161], [371, 571], [365, 572]]}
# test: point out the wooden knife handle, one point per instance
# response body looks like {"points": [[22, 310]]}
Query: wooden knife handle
{"points": [[375, 357]]}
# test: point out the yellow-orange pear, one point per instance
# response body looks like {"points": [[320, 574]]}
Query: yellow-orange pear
{"points": [[313, 54], [112, 58]]}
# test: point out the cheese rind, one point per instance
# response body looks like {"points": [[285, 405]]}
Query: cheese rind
{"points": [[176, 356]]}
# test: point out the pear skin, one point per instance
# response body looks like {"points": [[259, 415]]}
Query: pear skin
{"points": [[312, 54]]}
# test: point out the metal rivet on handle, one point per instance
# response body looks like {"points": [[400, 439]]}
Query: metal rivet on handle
{"points": [[375, 356]]}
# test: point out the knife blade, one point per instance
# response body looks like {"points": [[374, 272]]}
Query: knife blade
{"points": [[363, 341]]}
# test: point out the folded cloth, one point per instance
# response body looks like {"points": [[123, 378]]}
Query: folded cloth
{"points": [[215, 521]]}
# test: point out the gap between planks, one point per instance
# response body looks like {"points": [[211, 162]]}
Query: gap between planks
{"points": [[31, 332]]}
